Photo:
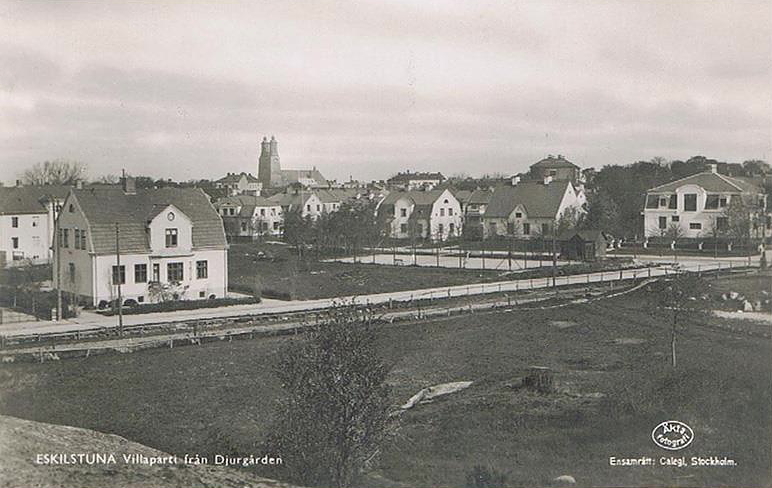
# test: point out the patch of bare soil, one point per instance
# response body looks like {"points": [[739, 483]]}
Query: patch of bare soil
{"points": [[22, 442]]}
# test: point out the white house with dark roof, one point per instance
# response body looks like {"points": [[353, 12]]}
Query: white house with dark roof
{"points": [[239, 184], [421, 214], [698, 204], [558, 168], [529, 208], [170, 241], [27, 222], [250, 216]]}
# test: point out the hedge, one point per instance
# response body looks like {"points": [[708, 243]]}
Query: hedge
{"points": [[179, 305]]}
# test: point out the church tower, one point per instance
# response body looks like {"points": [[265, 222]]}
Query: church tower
{"points": [[269, 168]]}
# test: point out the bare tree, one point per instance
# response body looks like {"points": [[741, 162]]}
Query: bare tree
{"points": [[678, 297], [58, 172]]}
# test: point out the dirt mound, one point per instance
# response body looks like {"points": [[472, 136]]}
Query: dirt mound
{"points": [[23, 443]]}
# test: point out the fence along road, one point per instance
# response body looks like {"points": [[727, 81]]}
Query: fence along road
{"points": [[95, 321]]}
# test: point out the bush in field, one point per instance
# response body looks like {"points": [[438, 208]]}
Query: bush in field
{"points": [[483, 477], [333, 415]]}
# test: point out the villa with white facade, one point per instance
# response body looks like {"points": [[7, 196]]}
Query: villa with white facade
{"points": [[169, 241], [434, 214]]}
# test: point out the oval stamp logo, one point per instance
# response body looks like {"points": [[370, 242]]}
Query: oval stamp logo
{"points": [[672, 435]]}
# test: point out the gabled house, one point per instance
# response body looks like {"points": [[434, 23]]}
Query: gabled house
{"points": [[27, 221], [421, 214], [699, 206], [249, 216], [296, 198], [529, 209], [558, 168], [170, 242], [239, 184]]}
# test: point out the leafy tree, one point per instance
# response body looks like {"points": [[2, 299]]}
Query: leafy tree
{"points": [[334, 412], [756, 167], [602, 213], [570, 219], [58, 172]]}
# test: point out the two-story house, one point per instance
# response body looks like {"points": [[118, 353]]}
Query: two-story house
{"points": [[297, 198], [239, 184], [250, 216], [527, 209], [169, 241], [27, 222], [473, 207], [420, 214], [698, 206]]}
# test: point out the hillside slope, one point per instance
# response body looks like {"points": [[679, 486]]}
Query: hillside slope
{"points": [[21, 441]]}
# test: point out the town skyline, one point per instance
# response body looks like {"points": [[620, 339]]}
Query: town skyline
{"points": [[189, 91]]}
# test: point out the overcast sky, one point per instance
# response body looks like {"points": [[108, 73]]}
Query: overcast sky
{"points": [[366, 88]]}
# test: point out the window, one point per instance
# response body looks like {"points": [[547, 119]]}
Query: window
{"points": [[675, 218], [66, 238], [673, 203], [15, 222], [83, 239], [663, 201], [442, 212], [71, 272], [652, 201], [403, 228], [156, 272], [140, 273], [510, 228], [119, 275], [174, 272], [663, 222], [450, 212], [35, 221], [308, 208], [695, 226], [72, 208], [243, 227], [77, 239], [527, 229], [201, 294], [518, 215], [711, 202], [15, 242], [318, 208], [232, 211], [440, 230], [403, 212], [722, 202], [202, 269], [722, 224], [452, 228], [275, 226], [262, 212], [141, 298], [545, 229], [171, 237], [690, 202]]}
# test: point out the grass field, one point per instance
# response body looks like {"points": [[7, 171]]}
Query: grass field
{"points": [[610, 361], [285, 274]]}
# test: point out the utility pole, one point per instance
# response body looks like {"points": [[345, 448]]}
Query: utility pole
{"points": [[554, 255], [58, 254], [118, 264]]}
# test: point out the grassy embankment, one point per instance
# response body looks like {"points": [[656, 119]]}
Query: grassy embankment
{"points": [[610, 361]]}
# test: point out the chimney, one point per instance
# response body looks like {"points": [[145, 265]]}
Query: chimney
{"points": [[547, 180], [128, 185], [713, 168]]}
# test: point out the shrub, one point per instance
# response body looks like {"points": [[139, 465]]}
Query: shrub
{"points": [[483, 477], [171, 306]]}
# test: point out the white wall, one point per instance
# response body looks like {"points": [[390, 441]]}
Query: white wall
{"points": [[32, 232], [444, 214]]}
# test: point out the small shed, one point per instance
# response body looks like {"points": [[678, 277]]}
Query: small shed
{"points": [[583, 245]]}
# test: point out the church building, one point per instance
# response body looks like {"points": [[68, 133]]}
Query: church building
{"points": [[271, 175]]}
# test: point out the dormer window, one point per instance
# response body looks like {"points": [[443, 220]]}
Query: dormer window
{"points": [[171, 237]]}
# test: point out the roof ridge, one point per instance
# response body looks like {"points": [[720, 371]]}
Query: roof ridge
{"points": [[681, 179], [729, 180]]}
